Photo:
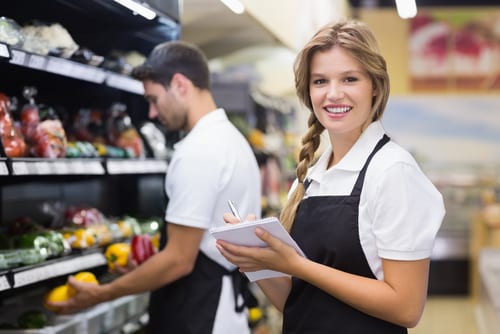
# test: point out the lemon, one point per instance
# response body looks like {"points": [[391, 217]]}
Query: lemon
{"points": [[254, 314], [82, 276], [57, 294]]}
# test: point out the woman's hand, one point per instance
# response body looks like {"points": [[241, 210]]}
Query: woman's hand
{"points": [[278, 256], [231, 219]]}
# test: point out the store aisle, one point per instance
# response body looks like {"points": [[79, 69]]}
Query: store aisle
{"points": [[447, 315]]}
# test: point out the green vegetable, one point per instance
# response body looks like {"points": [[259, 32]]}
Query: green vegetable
{"points": [[32, 319]]}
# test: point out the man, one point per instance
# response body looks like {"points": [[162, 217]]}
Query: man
{"points": [[195, 290]]}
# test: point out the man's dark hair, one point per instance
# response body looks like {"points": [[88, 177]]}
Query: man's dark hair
{"points": [[172, 57]]}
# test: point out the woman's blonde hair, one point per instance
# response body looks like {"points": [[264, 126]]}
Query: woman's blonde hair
{"points": [[357, 39]]}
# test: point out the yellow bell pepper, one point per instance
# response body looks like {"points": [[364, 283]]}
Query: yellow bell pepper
{"points": [[117, 254]]}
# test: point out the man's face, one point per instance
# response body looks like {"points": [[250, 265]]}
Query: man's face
{"points": [[164, 104]]}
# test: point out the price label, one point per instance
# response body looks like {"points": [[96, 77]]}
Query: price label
{"points": [[18, 57], [125, 83], [43, 168], [60, 167], [4, 283], [59, 66], [3, 169], [36, 62], [96, 168], [78, 167], [4, 51], [20, 168]]}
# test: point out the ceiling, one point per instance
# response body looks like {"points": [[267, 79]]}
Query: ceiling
{"points": [[218, 31]]}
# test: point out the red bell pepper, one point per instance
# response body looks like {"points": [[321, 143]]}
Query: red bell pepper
{"points": [[142, 248]]}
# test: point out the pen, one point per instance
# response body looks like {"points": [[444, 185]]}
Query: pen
{"points": [[233, 210]]}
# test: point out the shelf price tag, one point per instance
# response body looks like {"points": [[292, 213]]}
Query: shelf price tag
{"points": [[59, 66], [4, 51], [20, 168], [4, 284], [3, 169], [18, 57], [125, 83], [36, 62], [60, 167], [43, 168]]}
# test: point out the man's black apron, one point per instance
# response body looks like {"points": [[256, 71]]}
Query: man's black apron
{"points": [[326, 229], [189, 305]]}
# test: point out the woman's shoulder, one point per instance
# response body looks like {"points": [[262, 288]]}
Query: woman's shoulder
{"points": [[392, 155]]}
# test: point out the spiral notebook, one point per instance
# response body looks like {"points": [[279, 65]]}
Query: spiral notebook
{"points": [[244, 234]]}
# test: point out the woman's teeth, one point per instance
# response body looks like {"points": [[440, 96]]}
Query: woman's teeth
{"points": [[340, 110]]}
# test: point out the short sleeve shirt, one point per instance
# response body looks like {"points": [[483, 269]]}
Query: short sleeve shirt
{"points": [[400, 210], [212, 164]]}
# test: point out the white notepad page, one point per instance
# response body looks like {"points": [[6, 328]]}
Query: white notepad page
{"points": [[244, 234]]}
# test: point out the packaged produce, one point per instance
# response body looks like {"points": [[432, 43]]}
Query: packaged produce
{"points": [[11, 139], [122, 133], [142, 248], [10, 32], [117, 254]]}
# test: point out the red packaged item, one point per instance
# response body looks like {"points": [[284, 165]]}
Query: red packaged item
{"points": [[83, 216], [142, 248], [30, 117], [122, 133], [49, 140], [12, 141]]}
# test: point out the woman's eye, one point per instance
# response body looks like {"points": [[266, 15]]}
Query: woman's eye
{"points": [[351, 79], [319, 81]]}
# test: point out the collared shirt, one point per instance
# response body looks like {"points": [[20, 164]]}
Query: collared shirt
{"points": [[400, 210], [210, 165]]}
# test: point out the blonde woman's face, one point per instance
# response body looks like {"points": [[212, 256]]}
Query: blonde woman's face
{"points": [[341, 92]]}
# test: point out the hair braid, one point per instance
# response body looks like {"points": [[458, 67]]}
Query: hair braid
{"points": [[310, 143]]}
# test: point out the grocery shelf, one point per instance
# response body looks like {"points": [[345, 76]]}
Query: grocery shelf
{"points": [[84, 166], [69, 68], [144, 166], [4, 170], [40, 166], [22, 276]]}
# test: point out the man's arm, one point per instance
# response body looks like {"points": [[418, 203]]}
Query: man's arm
{"points": [[176, 260]]}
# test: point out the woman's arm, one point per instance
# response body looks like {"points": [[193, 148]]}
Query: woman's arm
{"points": [[399, 298], [276, 290]]}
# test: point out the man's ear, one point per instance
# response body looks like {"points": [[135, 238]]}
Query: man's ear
{"points": [[180, 82]]}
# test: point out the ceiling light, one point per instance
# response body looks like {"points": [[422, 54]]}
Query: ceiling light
{"points": [[138, 8], [235, 5], [406, 8]]}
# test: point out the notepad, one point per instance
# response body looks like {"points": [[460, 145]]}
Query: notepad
{"points": [[244, 234]]}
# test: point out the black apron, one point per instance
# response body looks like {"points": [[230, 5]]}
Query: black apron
{"points": [[189, 305], [326, 228]]}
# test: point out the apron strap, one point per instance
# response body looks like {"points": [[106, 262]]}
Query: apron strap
{"points": [[356, 191]]}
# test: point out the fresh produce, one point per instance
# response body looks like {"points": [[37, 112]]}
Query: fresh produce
{"points": [[117, 254], [142, 248], [57, 294], [32, 319], [82, 276], [13, 143]]}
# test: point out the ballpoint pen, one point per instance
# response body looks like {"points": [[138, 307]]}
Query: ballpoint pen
{"points": [[233, 209]]}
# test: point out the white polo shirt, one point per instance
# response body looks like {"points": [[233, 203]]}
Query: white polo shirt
{"points": [[400, 210], [212, 164]]}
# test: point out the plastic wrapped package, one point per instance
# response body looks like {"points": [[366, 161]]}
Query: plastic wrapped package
{"points": [[10, 32], [47, 39]]}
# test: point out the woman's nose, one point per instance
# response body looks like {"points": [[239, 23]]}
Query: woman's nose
{"points": [[335, 92]]}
